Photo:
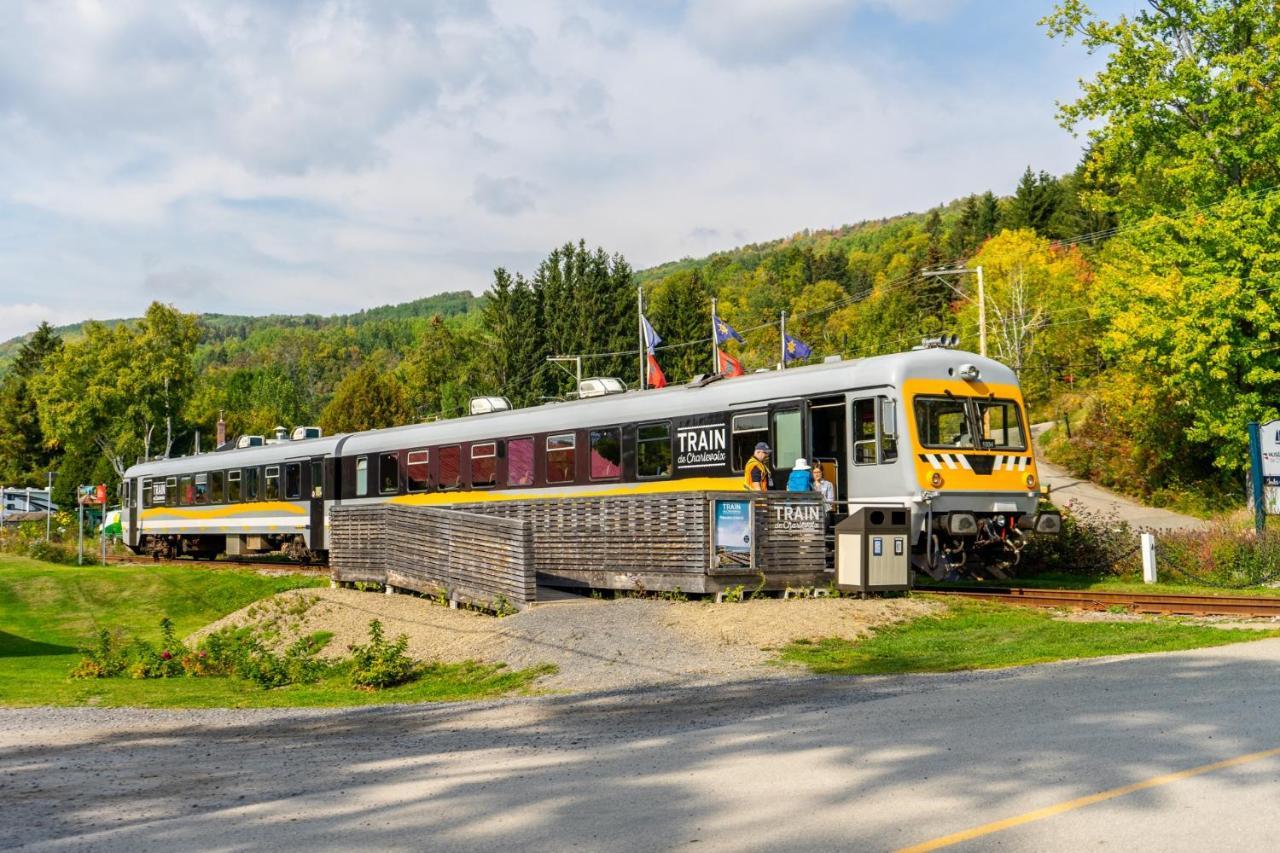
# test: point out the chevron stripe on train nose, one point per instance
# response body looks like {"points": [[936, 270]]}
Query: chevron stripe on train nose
{"points": [[976, 463]]}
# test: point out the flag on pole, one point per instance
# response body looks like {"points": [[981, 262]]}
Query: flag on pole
{"points": [[796, 348], [725, 332], [654, 376], [729, 366]]}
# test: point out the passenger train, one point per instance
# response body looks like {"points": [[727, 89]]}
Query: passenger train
{"points": [[936, 430]]}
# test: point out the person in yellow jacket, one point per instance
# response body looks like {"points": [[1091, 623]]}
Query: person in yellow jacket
{"points": [[757, 476]]}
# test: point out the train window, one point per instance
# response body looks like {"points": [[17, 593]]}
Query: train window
{"points": [[271, 486], [943, 422], [250, 485], [788, 446], [520, 462], [216, 481], [484, 464], [450, 467], [864, 431], [653, 450], [419, 470], [233, 487], [748, 430], [171, 491], [125, 493], [317, 479], [293, 480], [560, 450], [362, 476], [202, 489], [388, 473], [145, 493], [185, 490], [1001, 425], [606, 454], [888, 430]]}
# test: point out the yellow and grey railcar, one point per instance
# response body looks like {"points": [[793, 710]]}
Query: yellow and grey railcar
{"points": [[940, 432]]}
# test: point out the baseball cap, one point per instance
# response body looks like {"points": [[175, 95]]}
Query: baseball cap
{"points": [[763, 445]]}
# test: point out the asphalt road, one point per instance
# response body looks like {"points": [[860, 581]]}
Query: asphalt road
{"points": [[867, 764]]}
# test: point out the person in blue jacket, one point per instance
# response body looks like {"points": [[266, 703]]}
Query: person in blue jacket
{"points": [[801, 479]]}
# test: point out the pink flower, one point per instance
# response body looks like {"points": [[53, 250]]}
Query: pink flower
{"points": [[165, 655]]}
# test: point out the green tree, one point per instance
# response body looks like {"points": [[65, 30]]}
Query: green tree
{"points": [[24, 456], [368, 398], [119, 388], [444, 371], [679, 307], [1034, 203]]}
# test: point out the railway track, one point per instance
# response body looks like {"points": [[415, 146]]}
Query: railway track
{"points": [[292, 568], [1136, 602]]}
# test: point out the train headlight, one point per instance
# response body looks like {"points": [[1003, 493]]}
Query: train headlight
{"points": [[936, 480], [1031, 481]]}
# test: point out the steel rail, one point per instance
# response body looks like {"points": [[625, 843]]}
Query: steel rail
{"points": [[1136, 602]]}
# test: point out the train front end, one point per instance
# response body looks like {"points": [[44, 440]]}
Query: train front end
{"points": [[974, 471]]}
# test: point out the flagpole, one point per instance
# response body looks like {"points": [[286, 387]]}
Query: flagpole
{"points": [[715, 340], [784, 341], [644, 350]]}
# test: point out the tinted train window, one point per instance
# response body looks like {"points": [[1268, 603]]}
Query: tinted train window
{"points": [[187, 494], [418, 470], [202, 489], [560, 450], [748, 430], [788, 446], [317, 479], [450, 467], [146, 493], [484, 464], [171, 491], [864, 431], [520, 462], [362, 476], [293, 480], [271, 491], [1001, 425], [653, 450], [388, 473], [606, 454], [216, 481], [233, 487], [250, 484]]}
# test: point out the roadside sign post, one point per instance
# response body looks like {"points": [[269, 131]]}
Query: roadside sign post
{"points": [[1264, 471], [80, 546]]}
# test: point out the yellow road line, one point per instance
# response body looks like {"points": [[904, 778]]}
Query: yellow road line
{"points": [[1081, 802]]}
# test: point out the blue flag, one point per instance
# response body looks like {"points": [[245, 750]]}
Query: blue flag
{"points": [[797, 349], [651, 338], [724, 331]]}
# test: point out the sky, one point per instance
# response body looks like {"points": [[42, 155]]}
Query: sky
{"points": [[303, 156]]}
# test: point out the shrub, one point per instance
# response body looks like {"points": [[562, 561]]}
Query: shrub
{"points": [[52, 552], [1088, 546], [380, 664], [103, 659], [1223, 555]]}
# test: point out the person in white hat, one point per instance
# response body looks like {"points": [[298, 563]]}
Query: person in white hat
{"points": [[800, 480]]}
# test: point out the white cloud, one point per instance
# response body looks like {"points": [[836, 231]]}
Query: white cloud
{"points": [[254, 157], [21, 318]]}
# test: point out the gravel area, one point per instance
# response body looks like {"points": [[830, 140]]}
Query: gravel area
{"points": [[597, 644]]}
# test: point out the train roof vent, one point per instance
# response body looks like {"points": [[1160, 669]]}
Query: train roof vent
{"points": [[250, 441], [279, 434], [302, 433], [489, 405], [941, 342], [601, 386]]}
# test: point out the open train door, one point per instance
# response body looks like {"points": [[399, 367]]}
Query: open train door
{"points": [[829, 440], [315, 489]]}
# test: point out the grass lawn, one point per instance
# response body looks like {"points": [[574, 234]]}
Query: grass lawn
{"points": [[1111, 583], [48, 611], [977, 635]]}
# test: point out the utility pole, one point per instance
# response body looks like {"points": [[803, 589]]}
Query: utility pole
{"points": [[982, 300], [715, 340], [782, 338], [644, 350]]}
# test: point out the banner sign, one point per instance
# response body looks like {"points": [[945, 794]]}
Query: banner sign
{"points": [[733, 533], [1269, 442], [702, 446], [805, 517]]}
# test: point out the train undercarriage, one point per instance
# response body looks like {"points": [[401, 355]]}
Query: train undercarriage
{"points": [[211, 546], [979, 545]]}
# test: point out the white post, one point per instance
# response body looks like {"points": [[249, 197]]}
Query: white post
{"points": [[48, 510], [982, 315], [80, 551], [1148, 557]]}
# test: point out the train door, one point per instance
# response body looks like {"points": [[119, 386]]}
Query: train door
{"points": [[788, 439], [316, 492], [829, 440], [133, 497]]}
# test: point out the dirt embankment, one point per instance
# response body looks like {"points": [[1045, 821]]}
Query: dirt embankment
{"points": [[596, 644]]}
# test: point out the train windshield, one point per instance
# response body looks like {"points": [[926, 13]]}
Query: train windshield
{"points": [[952, 422]]}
